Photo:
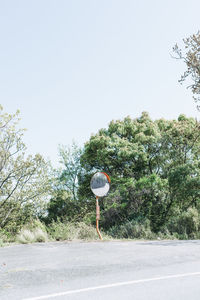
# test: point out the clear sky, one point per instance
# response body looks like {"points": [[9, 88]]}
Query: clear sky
{"points": [[72, 66]]}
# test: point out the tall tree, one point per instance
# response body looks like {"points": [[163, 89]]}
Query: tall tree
{"points": [[24, 179], [191, 56], [70, 159], [142, 156], [64, 202]]}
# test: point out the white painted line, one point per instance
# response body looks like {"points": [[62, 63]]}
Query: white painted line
{"points": [[112, 285]]}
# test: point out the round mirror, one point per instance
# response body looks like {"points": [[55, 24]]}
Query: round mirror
{"points": [[100, 184]]}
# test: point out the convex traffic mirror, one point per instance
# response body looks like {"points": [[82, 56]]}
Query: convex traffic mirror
{"points": [[100, 184]]}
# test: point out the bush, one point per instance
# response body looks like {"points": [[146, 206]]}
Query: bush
{"points": [[35, 224], [86, 232], [1, 243], [132, 230], [7, 236], [3, 238], [186, 225], [61, 231], [71, 231]]}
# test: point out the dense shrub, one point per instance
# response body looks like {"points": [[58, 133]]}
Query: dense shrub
{"points": [[71, 231], [86, 232], [132, 230], [61, 231], [186, 224]]}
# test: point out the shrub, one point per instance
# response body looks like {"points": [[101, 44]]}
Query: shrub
{"points": [[164, 234], [3, 238], [61, 231], [1, 243], [71, 231], [86, 232], [35, 224], [132, 230], [186, 224], [7, 236]]}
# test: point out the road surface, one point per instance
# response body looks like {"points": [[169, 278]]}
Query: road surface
{"points": [[119, 270]]}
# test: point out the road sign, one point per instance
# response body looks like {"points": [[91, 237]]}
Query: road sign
{"points": [[100, 184]]}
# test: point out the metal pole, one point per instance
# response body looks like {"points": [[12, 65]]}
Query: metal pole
{"points": [[98, 217]]}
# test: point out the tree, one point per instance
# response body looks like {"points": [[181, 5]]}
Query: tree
{"points": [[24, 181], [62, 206], [191, 56], [64, 203], [140, 156], [70, 158]]}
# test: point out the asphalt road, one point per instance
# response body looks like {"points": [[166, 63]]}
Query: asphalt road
{"points": [[101, 270]]}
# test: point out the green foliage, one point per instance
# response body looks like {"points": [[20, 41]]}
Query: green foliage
{"points": [[184, 182], [132, 230], [186, 224], [61, 231], [155, 183], [64, 202], [24, 182], [154, 168], [62, 206], [1, 243], [70, 159], [3, 239], [86, 232], [35, 224]]}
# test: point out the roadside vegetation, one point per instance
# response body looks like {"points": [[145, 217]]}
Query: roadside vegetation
{"points": [[154, 167], [155, 171]]}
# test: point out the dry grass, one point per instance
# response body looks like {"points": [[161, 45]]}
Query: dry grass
{"points": [[57, 231], [27, 236], [73, 231]]}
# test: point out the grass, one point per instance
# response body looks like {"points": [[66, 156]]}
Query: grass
{"points": [[57, 231], [184, 226], [71, 231], [27, 236]]}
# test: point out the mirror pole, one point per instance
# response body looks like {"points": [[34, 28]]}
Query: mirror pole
{"points": [[98, 217]]}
